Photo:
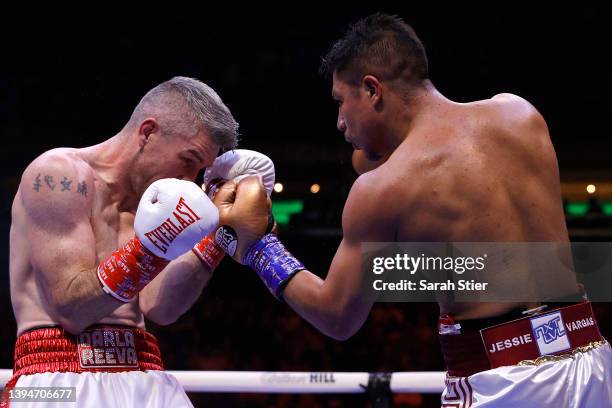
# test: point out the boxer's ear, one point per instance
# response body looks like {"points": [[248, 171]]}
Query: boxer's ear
{"points": [[373, 88], [148, 127]]}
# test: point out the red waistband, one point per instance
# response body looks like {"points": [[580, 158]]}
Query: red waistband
{"points": [[554, 332], [99, 348]]}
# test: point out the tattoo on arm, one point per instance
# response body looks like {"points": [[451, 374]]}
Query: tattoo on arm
{"points": [[50, 182], [66, 184], [37, 183], [82, 188]]}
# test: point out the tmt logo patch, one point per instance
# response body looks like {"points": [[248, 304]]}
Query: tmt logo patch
{"points": [[549, 332]]}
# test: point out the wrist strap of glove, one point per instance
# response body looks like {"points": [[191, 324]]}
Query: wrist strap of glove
{"points": [[209, 252], [273, 263], [128, 270]]}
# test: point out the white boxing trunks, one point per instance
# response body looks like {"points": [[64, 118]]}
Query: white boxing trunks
{"points": [[112, 366], [557, 358]]}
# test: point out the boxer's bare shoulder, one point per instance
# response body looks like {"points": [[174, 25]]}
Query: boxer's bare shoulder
{"points": [[515, 115], [370, 211], [58, 181], [382, 201], [519, 132]]}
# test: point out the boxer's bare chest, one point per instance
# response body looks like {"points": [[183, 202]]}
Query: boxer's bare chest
{"points": [[111, 227]]}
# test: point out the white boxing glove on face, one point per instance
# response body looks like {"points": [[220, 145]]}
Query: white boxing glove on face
{"points": [[237, 164], [173, 215]]}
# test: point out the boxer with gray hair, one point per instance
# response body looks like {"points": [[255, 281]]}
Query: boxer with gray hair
{"points": [[102, 237]]}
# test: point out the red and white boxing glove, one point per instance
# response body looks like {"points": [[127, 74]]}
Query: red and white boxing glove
{"points": [[172, 216], [233, 165]]}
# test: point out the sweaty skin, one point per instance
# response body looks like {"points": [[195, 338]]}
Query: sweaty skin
{"points": [[464, 172], [73, 208]]}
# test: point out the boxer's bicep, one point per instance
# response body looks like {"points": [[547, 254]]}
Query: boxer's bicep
{"points": [[347, 284], [346, 281], [57, 210], [366, 218]]}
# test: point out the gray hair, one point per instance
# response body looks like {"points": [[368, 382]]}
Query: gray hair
{"points": [[183, 104]]}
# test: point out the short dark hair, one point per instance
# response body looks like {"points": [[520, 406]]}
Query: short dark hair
{"points": [[382, 45]]}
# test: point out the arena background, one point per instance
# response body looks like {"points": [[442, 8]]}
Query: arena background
{"points": [[70, 76]]}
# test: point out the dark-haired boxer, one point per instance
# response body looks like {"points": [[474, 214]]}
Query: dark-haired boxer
{"points": [[483, 171]]}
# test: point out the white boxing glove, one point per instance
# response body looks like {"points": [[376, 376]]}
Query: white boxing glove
{"points": [[237, 164], [172, 216]]}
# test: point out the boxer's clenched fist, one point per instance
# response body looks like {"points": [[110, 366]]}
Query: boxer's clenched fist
{"points": [[233, 165], [243, 215]]}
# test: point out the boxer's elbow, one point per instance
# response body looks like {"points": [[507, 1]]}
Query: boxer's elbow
{"points": [[162, 320], [341, 333], [152, 309], [340, 323], [335, 314], [346, 319], [162, 316]]}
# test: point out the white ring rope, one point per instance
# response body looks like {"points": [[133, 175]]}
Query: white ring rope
{"points": [[292, 382]]}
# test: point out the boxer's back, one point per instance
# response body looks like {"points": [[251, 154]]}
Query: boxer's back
{"points": [[478, 172], [30, 300]]}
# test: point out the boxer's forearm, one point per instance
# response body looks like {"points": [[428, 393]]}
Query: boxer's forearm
{"points": [[330, 312], [80, 301], [174, 290]]}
